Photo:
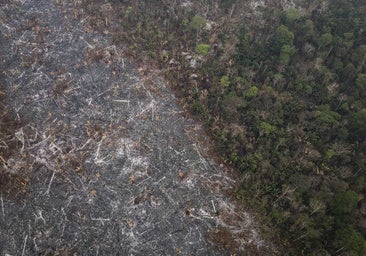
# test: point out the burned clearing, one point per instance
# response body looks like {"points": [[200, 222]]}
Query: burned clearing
{"points": [[97, 157]]}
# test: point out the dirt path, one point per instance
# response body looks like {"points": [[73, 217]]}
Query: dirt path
{"points": [[106, 163]]}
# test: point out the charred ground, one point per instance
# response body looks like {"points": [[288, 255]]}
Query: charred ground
{"points": [[96, 155]]}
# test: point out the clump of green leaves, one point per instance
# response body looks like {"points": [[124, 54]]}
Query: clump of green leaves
{"points": [[197, 22], [225, 81], [202, 48], [251, 92], [266, 127]]}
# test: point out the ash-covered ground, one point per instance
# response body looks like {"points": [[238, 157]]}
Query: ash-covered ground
{"points": [[105, 162]]}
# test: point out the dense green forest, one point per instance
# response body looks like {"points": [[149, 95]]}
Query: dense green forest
{"points": [[282, 91]]}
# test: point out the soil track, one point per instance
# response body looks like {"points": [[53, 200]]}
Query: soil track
{"points": [[104, 162]]}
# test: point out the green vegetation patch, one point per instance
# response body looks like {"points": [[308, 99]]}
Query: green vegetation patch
{"points": [[203, 48]]}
